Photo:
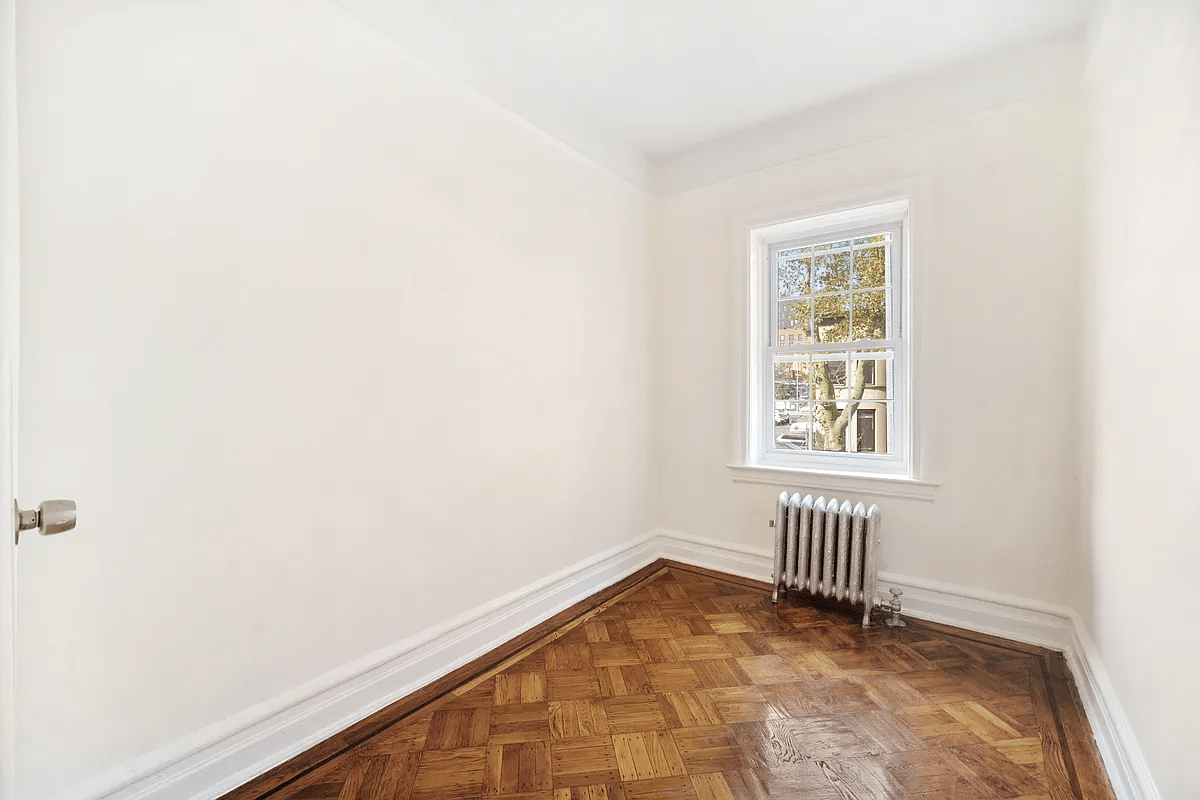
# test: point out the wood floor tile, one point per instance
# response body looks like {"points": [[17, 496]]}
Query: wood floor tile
{"points": [[648, 629], [686, 625], [404, 737], [718, 673], [594, 792], [936, 727], [659, 651], [572, 684], [768, 669], [481, 695], [632, 713], [864, 779], [680, 607], [623, 680], [994, 772], [675, 677], [1024, 752], [933, 775], [703, 648], [644, 609], [709, 749], [455, 774], [573, 718], [747, 644], [689, 685], [455, 728], [981, 721], [802, 781], [613, 654], [648, 754], [597, 631], [742, 704], [519, 687], [842, 695], [891, 692], [689, 709], [815, 664], [731, 623], [794, 699], [738, 785], [673, 788], [516, 769], [568, 656], [883, 731], [825, 738], [523, 722], [583, 761]]}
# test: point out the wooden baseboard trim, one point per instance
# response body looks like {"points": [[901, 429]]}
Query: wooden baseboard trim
{"points": [[276, 779]]}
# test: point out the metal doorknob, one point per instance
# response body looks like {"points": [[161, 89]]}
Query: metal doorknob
{"points": [[52, 516]]}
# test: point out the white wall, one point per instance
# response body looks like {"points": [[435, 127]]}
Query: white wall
{"points": [[327, 349], [1144, 269], [995, 204]]}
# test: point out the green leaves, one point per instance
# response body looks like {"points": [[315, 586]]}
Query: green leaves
{"points": [[833, 292]]}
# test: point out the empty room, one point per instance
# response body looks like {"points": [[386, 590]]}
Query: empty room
{"points": [[599, 399]]}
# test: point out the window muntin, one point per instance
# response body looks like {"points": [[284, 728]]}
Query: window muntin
{"points": [[831, 392]]}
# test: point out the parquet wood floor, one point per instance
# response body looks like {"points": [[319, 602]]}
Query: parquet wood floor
{"points": [[690, 685]]}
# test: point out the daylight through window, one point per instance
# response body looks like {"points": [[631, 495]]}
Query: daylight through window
{"points": [[831, 387]]}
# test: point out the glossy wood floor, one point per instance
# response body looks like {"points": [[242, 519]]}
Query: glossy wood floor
{"points": [[688, 684]]}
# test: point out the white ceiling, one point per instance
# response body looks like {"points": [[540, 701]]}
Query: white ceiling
{"points": [[655, 77]]}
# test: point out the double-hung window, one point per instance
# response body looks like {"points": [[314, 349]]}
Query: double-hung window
{"points": [[829, 381]]}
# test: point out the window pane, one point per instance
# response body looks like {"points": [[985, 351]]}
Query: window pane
{"points": [[831, 271], [795, 317], [792, 428], [874, 370], [793, 270], [828, 377], [876, 239], [791, 382], [829, 427], [850, 427], [792, 409], [870, 268], [832, 317], [868, 429], [870, 314]]}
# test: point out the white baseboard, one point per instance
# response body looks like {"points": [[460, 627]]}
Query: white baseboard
{"points": [[735, 559], [226, 755], [987, 612], [1123, 758], [1010, 617], [1019, 619]]}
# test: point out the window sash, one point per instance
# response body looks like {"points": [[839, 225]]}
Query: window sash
{"points": [[837, 459]]}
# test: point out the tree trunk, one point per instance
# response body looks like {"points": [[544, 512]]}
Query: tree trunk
{"points": [[833, 422]]}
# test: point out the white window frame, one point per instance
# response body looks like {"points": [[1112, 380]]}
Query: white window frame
{"points": [[762, 343]]}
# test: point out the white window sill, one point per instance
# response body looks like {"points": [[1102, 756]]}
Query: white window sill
{"points": [[835, 482]]}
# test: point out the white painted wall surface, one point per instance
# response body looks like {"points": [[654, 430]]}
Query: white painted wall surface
{"points": [[1144, 175], [995, 208], [327, 349]]}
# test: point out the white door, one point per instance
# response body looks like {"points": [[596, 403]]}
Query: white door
{"points": [[9, 348], [9, 304]]}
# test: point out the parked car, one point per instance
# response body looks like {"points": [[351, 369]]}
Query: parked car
{"points": [[793, 440]]}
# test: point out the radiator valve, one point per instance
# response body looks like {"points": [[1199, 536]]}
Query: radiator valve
{"points": [[894, 620]]}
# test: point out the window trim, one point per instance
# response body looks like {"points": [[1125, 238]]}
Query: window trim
{"points": [[755, 453]]}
